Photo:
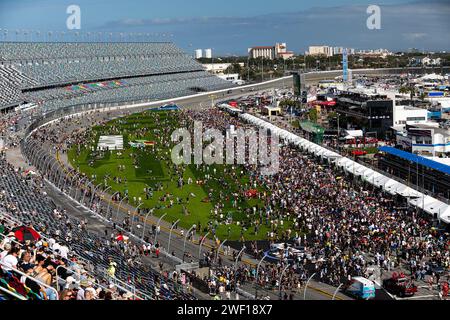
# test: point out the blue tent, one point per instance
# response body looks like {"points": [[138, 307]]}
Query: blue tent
{"points": [[417, 159]]}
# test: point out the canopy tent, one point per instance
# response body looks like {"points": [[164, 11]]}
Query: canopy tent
{"points": [[390, 186], [351, 166], [423, 201], [342, 162], [331, 156], [409, 193], [415, 198], [314, 148], [369, 175], [445, 215], [436, 208], [432, 76], [354, 134], [396, 189], [321, 152], [380, 181], [360, 171]]}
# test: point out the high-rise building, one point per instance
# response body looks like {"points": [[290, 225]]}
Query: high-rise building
{"points": [[340, 51], [320, 50], [265, 52], [208, 53], [279, 51], [198, 53]]}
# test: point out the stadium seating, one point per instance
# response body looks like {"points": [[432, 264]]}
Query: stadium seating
{"points": [[40, 72], [11, 80], [60, 63], [23, 199], [43, 74]]}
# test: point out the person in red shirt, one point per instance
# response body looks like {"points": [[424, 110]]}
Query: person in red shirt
{"points": [[444, 291]]}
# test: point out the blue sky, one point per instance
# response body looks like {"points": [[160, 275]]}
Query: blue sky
{"points": [[231, 26]]}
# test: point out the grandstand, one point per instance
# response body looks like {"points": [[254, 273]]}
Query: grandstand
{"points": [[60, 63], [40, 72], [11, 80], [57, 75], [26, 205]]}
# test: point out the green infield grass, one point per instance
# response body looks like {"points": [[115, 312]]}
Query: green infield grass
{"points": [[151, 168]]}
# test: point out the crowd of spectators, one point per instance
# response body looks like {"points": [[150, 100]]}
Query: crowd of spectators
{"points": [[347, 227]]}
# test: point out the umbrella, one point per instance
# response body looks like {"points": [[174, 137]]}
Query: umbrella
{"points": [[26, 233]]}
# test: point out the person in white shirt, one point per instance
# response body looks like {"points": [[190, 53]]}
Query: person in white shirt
{"points": [[5, 252], [55, 246], [63, 251], [10, 261], [51, 243]]}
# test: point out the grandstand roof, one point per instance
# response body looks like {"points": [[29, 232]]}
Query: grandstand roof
{"points": [[417, 159]]}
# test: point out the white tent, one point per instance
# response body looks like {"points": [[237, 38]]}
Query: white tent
{"points": [[391, 186], [435, 208], [352, 167], [314, 148], [415, 198], [360, 171], [409, 193], [342, 162], [423, 201], [432, 76], [397, 189], [445, 215], [351, 134], [380, 181], [369, 175], [321, 152]]}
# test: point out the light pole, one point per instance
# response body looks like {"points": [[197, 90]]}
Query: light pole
{"points": [[77, 189], [135, 216], [257, 274], [68, 178], [52, 176], [157, 225], [84, 193], [281, 279], [145, 223], [220, 247], [110, 200], [201, 244], [337, 290], [339, 131], [185, 238], [105, 191], [248, 69], [262, 70], [61, 176], [93, 194], [120, 205], [170, 234], [306, 286], [235, 267]]}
